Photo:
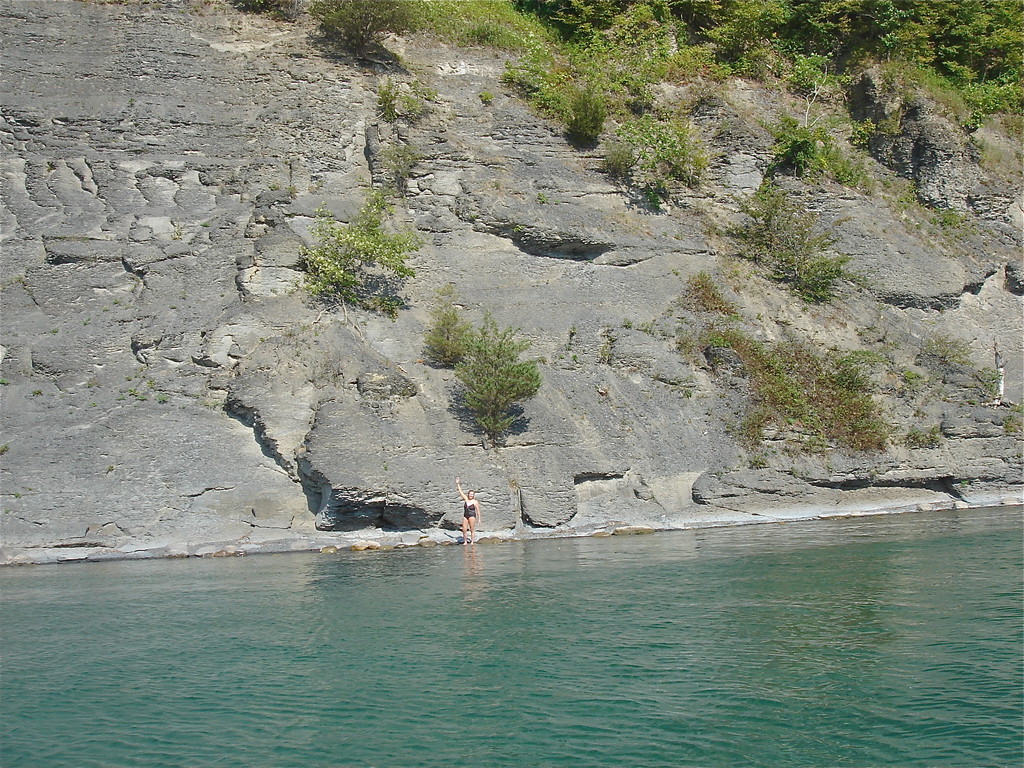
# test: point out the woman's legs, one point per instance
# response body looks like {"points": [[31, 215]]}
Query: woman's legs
{"points": [[465, 524], [472, 529]]}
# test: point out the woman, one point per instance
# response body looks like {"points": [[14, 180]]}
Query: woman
{"points": [[470, 513]]}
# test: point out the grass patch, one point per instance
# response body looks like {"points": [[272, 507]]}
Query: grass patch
{"points": [[704, 295], [923, 438], [942, 353], [479, 23], [1014, 423], [825, 395]]}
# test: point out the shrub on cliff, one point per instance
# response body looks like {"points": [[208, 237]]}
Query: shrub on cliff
{"points": [[664, 151], [285, 9], [494, 378], [586, 114], [358, 24], [808, 150], [359, 263], [784, 238], [447, 338]]}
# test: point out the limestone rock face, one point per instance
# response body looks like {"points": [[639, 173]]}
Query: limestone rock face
{"points": [[167, 386], [916, 138]]}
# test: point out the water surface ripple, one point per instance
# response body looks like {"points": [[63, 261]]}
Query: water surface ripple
{"points": [[872, 642]]}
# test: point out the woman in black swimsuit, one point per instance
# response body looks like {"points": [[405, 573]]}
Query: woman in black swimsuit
{"points": [[470, 513]]}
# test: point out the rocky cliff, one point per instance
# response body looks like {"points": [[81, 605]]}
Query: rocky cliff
{"points": [[168, 388]]}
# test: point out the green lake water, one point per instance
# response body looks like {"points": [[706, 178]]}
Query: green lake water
{"points": [[892, 641]]}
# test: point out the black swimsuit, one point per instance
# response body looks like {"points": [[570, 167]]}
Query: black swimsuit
{"points": [[469, 510]]}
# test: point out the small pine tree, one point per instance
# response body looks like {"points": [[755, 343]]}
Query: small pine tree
{"points": [[448, 336], [494, 377]]}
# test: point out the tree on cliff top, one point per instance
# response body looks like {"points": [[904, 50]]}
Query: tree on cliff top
{"points": [[357, 24], [494, 377]]}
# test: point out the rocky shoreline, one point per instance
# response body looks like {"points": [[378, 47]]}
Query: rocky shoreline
{"points": [[376, 540]]}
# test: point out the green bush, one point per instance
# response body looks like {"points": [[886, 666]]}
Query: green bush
{"points": [[410, 103], [691, 61], [597, 76], [447, 338], [387, 100], [811, 151], [809, 75], [397, 162], [359, 24], [586, 114], [287, 9], [360, 263], [849, 169], [619, 159], [782, 237], [988, 98], [747, 28], [414, 104], [974, 47], [494, 379], [663, 151], [797, 147]]}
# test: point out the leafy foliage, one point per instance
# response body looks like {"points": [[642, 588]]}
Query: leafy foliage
{"points": [[586, 114], [617, 67], [810, 151], [287, 9], [398, 162], [660, 152], [782, 237], [798, 148], [404, 101], [973, 45], [494, 378], [359, 263], [387, 100], [447, 338], [358, 24]]}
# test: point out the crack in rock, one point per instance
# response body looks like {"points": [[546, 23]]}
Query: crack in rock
{"points": [[210, 489]]}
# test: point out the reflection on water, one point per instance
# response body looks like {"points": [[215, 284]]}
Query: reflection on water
{"points": [[474, 586], [892, 641]]}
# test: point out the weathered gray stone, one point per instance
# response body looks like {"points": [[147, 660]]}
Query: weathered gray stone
{"points": [[927, 148]]}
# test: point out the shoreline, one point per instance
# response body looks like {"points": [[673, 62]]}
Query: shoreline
{"points": [[376, 539]]}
